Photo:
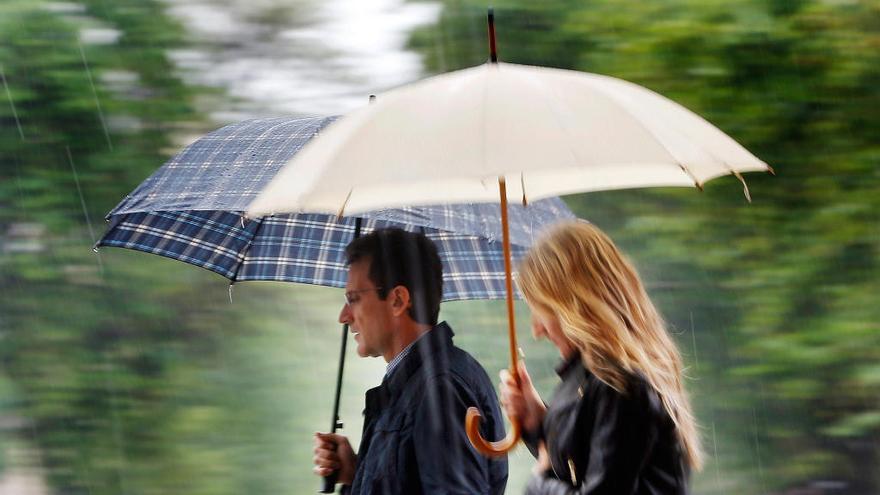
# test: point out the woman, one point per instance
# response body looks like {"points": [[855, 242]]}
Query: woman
{"points": [[620, 422]]}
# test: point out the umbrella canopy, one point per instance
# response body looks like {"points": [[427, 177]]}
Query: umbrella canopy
{"points": [[191, 210], [546, 131]]}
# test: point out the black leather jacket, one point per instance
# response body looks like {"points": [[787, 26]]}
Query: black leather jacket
{"points": [[604, 442], [414, 440]]}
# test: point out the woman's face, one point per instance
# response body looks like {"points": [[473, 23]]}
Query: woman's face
{"points": [[546, 325]]}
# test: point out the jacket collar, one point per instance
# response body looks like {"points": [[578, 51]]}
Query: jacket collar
{"points": [[565, 365], [434, 345]]}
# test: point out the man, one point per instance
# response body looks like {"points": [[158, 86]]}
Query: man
{"points": [[413, 439]]}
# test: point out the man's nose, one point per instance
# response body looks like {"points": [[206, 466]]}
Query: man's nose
{"points": [[345, 314]]}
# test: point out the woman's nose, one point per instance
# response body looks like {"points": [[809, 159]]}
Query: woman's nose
{"points": [[538, 329]]}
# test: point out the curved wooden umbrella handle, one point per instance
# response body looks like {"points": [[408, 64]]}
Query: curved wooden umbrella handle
{"points": [[490, 449]]}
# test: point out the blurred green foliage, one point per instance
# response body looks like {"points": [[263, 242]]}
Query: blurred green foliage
{"points": [[125, 373], [114, 367], [776, 301]]}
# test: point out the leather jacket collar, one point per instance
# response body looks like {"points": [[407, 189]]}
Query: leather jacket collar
{"points": [[565, 365]]}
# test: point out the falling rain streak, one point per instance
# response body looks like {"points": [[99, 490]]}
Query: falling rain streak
{"points": [[11, 102], [95, 95], [715, 460], [85, 209], [694, 340], [758, 460]]}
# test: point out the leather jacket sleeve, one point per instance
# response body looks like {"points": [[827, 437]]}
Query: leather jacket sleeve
{"points": [[532, 439], [624, 432]]}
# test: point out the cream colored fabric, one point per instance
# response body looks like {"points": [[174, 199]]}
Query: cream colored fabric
{"points": [[448, 138]]}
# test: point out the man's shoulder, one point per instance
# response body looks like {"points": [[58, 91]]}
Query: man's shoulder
{"points": [[464, 363], [469, 376], [458, 369]]}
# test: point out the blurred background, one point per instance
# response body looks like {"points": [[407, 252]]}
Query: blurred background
{"points": [[126, 373]]}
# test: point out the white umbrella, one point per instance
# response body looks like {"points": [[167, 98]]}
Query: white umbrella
{"points": [[500, 131], [549, 132]]}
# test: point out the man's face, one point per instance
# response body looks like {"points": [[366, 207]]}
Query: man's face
{"points": [[369, 318]]}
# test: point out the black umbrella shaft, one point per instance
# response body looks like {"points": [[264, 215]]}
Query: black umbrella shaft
{"points": [[330, 481], [335, 422]]}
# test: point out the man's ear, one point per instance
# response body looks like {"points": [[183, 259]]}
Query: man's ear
{"points": [[400, 300]]}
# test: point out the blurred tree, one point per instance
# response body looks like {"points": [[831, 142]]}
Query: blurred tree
{"points": [[109, 361], [119, 372]]}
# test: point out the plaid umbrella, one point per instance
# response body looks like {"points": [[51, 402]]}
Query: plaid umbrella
{"points": [[191, 210]]}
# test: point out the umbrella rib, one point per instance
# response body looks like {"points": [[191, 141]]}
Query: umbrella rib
{"points": [[484, 108], [708, 151], [247, 249], [552, 95], [724, 163], [684, 168], [344, 203]]}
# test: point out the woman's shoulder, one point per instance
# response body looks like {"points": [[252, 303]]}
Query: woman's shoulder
{"points": [[637, 392]]}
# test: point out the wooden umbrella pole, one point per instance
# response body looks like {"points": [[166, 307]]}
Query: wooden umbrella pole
{"points": [[472, 418], [508, 277]]}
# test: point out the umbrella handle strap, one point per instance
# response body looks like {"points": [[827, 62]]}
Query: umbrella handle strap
{"points": [[472, 421]]}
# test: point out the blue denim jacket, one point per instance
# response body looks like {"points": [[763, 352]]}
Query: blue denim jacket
{"points": [[414, 440]]}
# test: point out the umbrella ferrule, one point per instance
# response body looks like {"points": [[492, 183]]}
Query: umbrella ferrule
{"points": [[493, 53]]}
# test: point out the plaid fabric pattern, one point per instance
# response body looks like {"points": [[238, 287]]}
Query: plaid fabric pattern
{"points": [[395, 361], [302, 248], [190, 210], [225, 169]]}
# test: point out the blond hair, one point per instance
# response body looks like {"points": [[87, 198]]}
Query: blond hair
{"points": [[576, 273]]}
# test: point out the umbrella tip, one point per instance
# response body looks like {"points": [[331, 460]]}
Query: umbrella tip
{"points": [[770, 169], [493, 53], [745, 186]]}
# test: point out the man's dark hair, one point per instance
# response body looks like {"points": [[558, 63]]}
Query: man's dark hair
{"points": [[398, 257]]}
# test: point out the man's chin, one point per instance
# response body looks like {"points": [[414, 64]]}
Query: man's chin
{"points": [[362, 351], [365, 353]]}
